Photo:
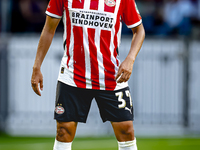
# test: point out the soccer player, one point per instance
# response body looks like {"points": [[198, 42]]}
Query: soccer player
{"points": [[90, 67]]}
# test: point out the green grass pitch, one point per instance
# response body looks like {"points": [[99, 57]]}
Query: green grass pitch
{"points": [[101, 143]]}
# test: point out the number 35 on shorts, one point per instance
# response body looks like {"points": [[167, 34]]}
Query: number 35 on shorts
{"points": [[123, 101]]}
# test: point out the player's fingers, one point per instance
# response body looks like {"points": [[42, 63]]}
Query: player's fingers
{"points": [[125, 77], [35, 87], [118, 74], [37, 91], [33, 83], [41, 84], [128, 75], [121, 78]]}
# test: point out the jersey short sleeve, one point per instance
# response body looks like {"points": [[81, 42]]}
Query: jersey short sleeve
{"points": [[55, 8], [130, 14]]}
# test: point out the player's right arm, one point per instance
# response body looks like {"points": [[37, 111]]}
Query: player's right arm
{"points": [[43, 47]]}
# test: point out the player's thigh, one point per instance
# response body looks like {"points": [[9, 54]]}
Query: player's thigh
{"points": [[115, 106], [72, 104], [124, 130], [66, 131]]}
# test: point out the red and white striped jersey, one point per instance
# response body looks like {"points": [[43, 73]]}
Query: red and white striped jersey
{"points": [[92, 32]]}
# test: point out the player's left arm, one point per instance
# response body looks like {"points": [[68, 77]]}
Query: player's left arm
{"points": [[126, 67]]}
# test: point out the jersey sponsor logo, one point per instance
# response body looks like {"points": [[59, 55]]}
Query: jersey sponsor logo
{"points": [[59, 110], [110, 3], [92, 19]]}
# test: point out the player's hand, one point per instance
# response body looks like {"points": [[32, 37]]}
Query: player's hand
{"points": [[37, 81], [125, 70]]}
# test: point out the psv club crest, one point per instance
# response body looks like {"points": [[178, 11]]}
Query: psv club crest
{"points": [[110, 3], [59, 110]]}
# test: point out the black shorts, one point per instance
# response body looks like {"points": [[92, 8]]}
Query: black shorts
{"points": [[73, 104]]}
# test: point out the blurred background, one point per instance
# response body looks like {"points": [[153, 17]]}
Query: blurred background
{"points": [[165, 83]]}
